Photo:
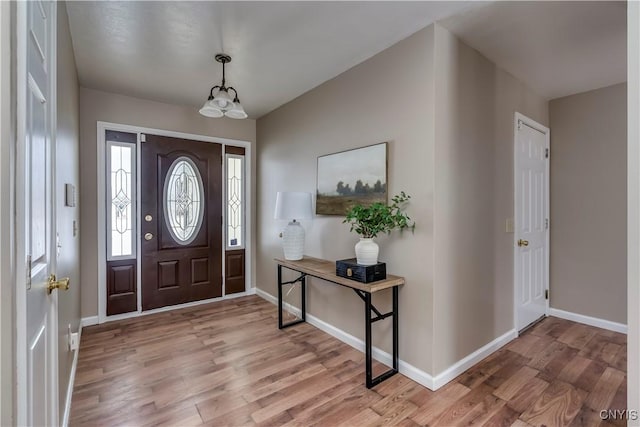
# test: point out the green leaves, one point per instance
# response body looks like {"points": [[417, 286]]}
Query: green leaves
{"points": [[369, 221]]}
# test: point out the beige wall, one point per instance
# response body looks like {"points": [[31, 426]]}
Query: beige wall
{"points": [[452, 149], [102, 106], [386, 98], [474, 196], [6, 249], [589, 203], [67, 171]]}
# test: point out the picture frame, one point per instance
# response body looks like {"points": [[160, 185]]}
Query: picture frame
{"points": [[350, 177]]}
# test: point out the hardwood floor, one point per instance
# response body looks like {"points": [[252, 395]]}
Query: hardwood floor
{"points": [[228, 364]]}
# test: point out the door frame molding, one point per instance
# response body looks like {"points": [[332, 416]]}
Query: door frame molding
{"points": [[102, 251], [546, 131], [20, 351], [7, 222]]}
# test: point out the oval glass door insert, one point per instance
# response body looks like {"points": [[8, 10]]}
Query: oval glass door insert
{"points": [[183, 200]]}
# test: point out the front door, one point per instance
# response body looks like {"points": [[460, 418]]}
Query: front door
{"points": [[181, 221], [37, 400], [531, 221]]}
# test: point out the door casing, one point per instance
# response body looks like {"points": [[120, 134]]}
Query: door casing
{"points": [[102, 254], [7, 225], [531, 123]]}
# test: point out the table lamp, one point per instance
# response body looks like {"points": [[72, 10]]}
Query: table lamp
{"points": [[293, 206]]}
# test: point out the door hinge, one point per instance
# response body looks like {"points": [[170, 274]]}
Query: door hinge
{"points": [[546, 223], [546, 153], [519, 124], [143, 138], [28, 272], [546, 294]]}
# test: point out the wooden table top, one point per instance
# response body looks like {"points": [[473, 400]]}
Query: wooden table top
{"points": [[326, 270]]}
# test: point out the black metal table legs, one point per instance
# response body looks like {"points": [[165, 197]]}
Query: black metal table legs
{"points": [[372, 315], [368, 321], [303, 306]]}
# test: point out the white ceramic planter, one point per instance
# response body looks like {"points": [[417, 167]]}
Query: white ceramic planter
{"points": [[367, 251]]}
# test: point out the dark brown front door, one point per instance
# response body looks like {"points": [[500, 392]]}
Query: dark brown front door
{"points": [[181, 221]]}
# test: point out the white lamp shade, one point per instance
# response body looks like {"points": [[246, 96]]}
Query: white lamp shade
{"points": [[237, 112], [209, 109], [223, 100], [293, 205]]}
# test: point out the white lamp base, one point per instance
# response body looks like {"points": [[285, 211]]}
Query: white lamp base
{"points": [[293, 241]]}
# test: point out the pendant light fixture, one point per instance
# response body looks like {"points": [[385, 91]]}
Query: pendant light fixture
{"points": [[221, 103]]}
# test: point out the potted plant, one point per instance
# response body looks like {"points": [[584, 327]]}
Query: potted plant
{"points": [[369, 221]]}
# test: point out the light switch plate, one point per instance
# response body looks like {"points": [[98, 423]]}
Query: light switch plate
{"points": [[509, 226]]}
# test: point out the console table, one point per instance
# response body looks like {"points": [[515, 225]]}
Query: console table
{"points": [[326, 270]]}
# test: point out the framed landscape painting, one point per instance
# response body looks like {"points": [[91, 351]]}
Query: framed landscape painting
{"points": [[357, 176]]}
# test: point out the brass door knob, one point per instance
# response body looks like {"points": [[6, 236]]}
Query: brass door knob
{"points": [[52, 283], [523, 243]]}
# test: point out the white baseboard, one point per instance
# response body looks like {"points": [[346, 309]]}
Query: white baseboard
{"points": [[88, 321], [463, 364], [72, 379], [588, 320], [416, 374]]}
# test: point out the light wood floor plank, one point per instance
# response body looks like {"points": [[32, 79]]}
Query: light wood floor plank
{"points": [[227, 364]]}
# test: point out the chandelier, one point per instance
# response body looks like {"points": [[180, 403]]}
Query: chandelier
{"points": [[222, 103]]}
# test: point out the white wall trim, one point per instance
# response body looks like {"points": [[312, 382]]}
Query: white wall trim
{"points": [[72, 376], [20, 345], [89, 321], [7, 221], [408, 370], [588, 320], [85, 321], [463, 364]]}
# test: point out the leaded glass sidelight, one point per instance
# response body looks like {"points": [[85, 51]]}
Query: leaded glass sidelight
{"points": [[183, 200], [235, 201], [121, 182]]}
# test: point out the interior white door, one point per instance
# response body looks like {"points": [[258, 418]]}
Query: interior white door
{"points": [[37, 307], [531, 221]]}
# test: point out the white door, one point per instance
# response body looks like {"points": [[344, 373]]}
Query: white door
{"points": [[36, 307], [531, 221]]}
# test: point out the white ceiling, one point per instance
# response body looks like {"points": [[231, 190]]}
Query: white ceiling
{"points": [[164, 50], [557, 48]]}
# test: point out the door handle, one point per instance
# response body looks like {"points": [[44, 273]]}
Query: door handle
{"points": [[523, 243], [52, 283], [148, 236]]}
